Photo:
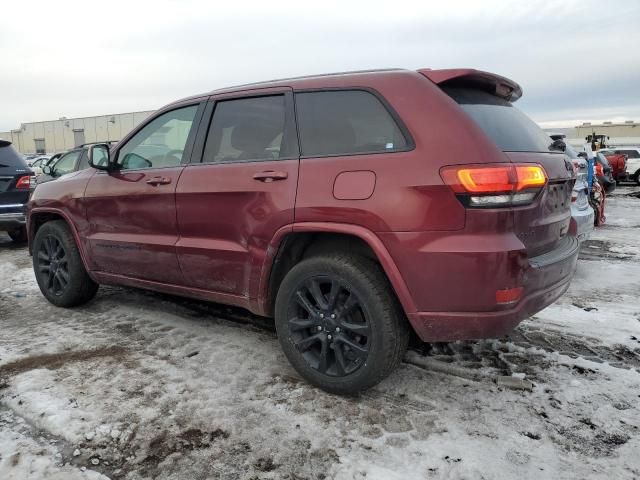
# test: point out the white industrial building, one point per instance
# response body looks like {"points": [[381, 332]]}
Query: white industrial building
{"points": [[619, 133], [59, 135]]}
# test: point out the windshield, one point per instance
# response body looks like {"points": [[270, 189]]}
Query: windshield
{"points": [[508, 127]]}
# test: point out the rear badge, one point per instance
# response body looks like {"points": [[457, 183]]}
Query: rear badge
{"points": [[389, 146]]}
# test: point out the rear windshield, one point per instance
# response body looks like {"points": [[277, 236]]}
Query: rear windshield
{"points": [[9, 157], [508, 127]]}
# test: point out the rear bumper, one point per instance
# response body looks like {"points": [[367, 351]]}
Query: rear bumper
{"points": [[584, 222], [544, 280], [12, 217]]}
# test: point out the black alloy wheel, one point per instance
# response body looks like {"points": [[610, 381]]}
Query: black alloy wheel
{"points": [[58, 266], [339, 323], [328, 326], [52, 265]]}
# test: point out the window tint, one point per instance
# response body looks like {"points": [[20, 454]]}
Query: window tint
{"points": [[509, 128], [67, 163], [9, 157], [161, 142], [345, 122], [630, 153], [248, 129], [84, 160]]}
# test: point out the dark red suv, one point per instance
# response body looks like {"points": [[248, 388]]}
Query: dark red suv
{"points": [[351, 207]]}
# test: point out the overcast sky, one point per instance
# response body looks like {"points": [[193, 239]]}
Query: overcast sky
{"points": [[576, 60]]}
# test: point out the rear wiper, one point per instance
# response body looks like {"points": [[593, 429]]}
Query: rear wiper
{"points": [[558, 145]]}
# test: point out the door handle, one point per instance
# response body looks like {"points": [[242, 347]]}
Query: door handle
{"points": [[159, 181], [270, 176]]}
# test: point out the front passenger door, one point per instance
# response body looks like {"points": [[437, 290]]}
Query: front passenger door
{"points": [[132, 210]]}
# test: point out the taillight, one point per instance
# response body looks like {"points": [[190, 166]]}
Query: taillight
{"points": [[24, 183], [495, 185]]}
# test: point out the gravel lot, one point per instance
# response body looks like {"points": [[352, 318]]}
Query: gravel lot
{"points": [[139, 385]]}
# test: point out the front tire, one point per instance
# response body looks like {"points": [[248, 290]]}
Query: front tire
{"points": [[339, 323], [58, 266]]}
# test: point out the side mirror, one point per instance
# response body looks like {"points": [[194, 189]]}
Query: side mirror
{"points": [[99, 157], [46, 170]]}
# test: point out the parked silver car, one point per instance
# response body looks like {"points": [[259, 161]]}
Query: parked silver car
{"points": [[581, 211]]}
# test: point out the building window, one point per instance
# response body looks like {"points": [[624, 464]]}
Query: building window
{"points": [[40, 146]]}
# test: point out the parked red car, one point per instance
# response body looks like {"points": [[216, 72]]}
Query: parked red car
{"points": [[351, 207]]}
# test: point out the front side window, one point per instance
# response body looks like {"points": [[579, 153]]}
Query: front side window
{"points": [[345, 122], [160, 143], [84, 160], [248, 129], [66, 163]]}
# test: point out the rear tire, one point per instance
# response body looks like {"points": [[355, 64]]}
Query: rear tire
{"points": [[339, 322], [19, 235], [58, 266]]}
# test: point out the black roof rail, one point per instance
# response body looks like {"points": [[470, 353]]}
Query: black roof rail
{"points": [[96, 143]]}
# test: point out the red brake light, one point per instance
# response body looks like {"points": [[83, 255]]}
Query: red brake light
{"points": [[495, 185], [24, 183]]}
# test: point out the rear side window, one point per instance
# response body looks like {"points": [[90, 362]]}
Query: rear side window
{"points": [[345, 122], [9, 157], [509, 128], [630, 153], [249, 129]]}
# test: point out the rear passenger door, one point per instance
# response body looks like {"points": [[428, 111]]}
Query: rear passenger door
{"points": [[240, 191]]}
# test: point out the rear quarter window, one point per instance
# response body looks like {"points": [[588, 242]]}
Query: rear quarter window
{"points": [[10, 158], [346, 122], [630, 153], [509, 128]]}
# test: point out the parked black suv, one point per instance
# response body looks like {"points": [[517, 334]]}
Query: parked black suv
{"points": [[16, 182]]}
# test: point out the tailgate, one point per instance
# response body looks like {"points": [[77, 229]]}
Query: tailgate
{"points": [[487, 99], [543, 224]]}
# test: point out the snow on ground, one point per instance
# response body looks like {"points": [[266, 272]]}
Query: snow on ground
{"points": [[138, 385]]}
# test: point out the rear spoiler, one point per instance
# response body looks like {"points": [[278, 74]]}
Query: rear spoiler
{"points": [[469, 77]]}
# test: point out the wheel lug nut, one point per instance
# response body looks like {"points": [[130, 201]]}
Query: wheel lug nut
{"points": [[319, 328], [322, 315], [337, 329], [329, 337], [333, 315]]}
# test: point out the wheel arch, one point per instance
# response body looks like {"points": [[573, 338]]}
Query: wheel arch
{"points": [[294, 242], [38, 217]]}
